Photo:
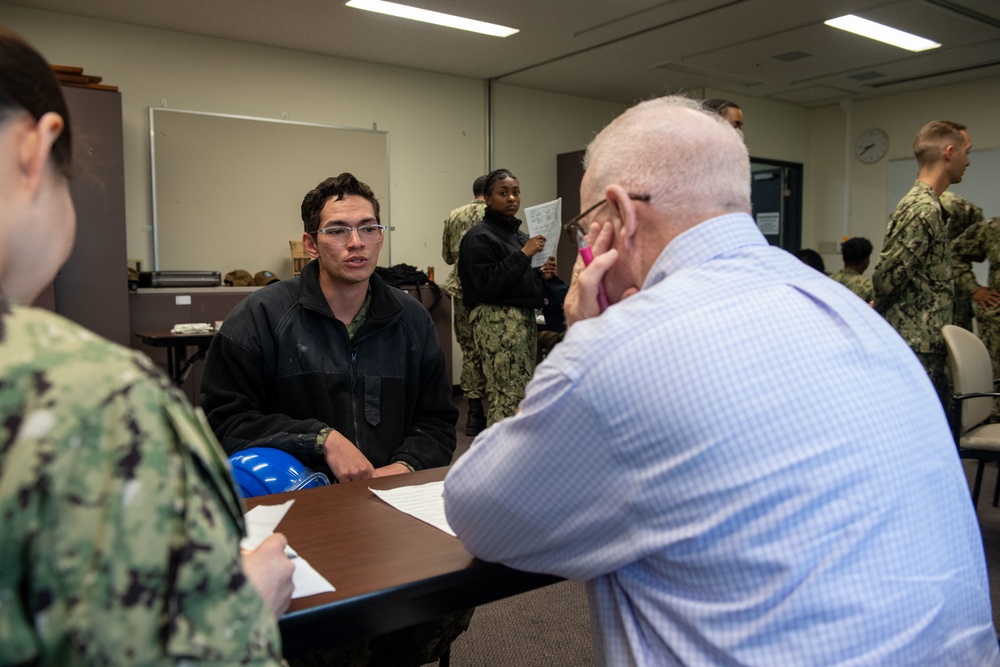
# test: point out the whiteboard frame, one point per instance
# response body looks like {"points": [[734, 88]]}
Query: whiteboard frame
{"points": [[384, 201]]}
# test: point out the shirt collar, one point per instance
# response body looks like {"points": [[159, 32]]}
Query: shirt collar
{"points": [[362, 315], [704, 241]]}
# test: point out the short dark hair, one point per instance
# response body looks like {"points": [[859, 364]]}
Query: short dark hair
{"points": [[856, 250], [479, 186], [338, 188], [719, 105], [493, 177], [933, 138], [28, 84], [812, 258]]}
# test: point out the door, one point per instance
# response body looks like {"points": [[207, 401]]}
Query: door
{"points": [[776, 197]]}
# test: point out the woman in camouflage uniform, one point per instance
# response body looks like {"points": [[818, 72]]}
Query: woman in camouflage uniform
{"points": [[121, 525]]}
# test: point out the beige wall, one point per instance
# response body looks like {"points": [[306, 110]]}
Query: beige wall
{"points": [[437, 124], [847, 198], [772, 130], [532, 127]]}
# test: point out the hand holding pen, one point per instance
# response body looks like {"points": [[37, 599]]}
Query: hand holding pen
{"points": [[588, 256], [587, 296], [270, 570]]}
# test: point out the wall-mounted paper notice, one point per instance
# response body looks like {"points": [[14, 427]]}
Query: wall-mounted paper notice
{"points": [[769, 222]]}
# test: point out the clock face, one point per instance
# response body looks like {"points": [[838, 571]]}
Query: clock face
{"points": [[872, 146]]}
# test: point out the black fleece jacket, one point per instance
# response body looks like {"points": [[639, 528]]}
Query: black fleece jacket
{"points": [[282, 368], [492, 267]]}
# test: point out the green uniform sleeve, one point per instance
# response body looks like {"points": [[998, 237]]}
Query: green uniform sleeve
{"points": [[905, 245], [122, 526], [969, 246]]}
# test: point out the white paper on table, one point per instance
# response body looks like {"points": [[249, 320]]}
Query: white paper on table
{"points": [[421, 501], [261, 522], [545, 219]]}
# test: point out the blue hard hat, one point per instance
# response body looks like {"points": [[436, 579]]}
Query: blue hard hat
{"points": [[259, 471]]}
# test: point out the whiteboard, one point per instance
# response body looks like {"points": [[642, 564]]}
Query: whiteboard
{"points": [[227, 190]]}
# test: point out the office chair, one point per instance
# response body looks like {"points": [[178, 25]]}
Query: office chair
{"points": [[972, 402]]}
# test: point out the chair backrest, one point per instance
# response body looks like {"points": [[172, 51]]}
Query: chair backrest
{"points": [[971, 371], [299, 256]]}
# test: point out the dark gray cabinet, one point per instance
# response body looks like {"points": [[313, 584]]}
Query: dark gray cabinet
{"points": [[92, 288]]}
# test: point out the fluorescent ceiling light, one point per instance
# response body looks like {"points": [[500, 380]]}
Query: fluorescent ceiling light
{"points": [[437, 18], [881, 33]]}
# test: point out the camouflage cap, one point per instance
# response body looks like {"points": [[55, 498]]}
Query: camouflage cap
{"points": [[238, 278], [264, 278]]}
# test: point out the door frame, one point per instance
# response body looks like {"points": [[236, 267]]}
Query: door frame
{"points": [[791, 222]]}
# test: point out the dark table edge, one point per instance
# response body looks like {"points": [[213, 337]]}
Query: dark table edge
{"points": [[365, 616], [168, 339]]}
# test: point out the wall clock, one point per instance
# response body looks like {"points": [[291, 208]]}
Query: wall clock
{"points": [[871, 146]]}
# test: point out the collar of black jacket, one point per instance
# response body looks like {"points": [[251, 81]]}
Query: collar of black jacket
{"points": [[508, 222], [385, 306]]}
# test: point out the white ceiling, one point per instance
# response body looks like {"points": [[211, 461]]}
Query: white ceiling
{"points": [[619, 51]]}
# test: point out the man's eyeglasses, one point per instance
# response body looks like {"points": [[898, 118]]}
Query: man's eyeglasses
{"points": [[573, 224], [341, 234]]}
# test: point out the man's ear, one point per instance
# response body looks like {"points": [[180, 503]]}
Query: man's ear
{"points": [[625, 211], [309, 245], [36, 145]]}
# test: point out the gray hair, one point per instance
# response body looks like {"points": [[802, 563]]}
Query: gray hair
{"points": [[688, 159]]}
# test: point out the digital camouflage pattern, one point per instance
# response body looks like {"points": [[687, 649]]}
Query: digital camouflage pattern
{"points": [[961, 215], [459, 221], [507, 338], [855, 282], [472, 380], [914, 289], [121, 525], [980, 242]]}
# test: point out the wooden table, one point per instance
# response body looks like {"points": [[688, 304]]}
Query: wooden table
{"points": [[179, 362], [390, 570]]}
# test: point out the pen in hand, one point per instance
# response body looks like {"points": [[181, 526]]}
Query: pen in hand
{"points": [[588, 256]]}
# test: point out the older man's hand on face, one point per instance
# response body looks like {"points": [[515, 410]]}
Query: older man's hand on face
{"points": [[581, 299]]}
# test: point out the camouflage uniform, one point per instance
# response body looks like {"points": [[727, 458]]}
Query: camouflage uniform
{"points": [[855, 282], [979, 243], [120, 522], [507, 337], [961, 215], [472, 380], [913, 283]]}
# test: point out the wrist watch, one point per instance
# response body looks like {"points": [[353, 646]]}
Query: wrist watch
{"points": [[321, 438]]}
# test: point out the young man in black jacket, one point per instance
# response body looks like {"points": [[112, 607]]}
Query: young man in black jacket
{"points": [[334, 366]]}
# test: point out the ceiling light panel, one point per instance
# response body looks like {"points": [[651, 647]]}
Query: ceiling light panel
{"points": [[882, 33], [437, 18]]}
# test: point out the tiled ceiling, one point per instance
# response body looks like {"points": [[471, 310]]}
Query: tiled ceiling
{"points": [[618, 51]]}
